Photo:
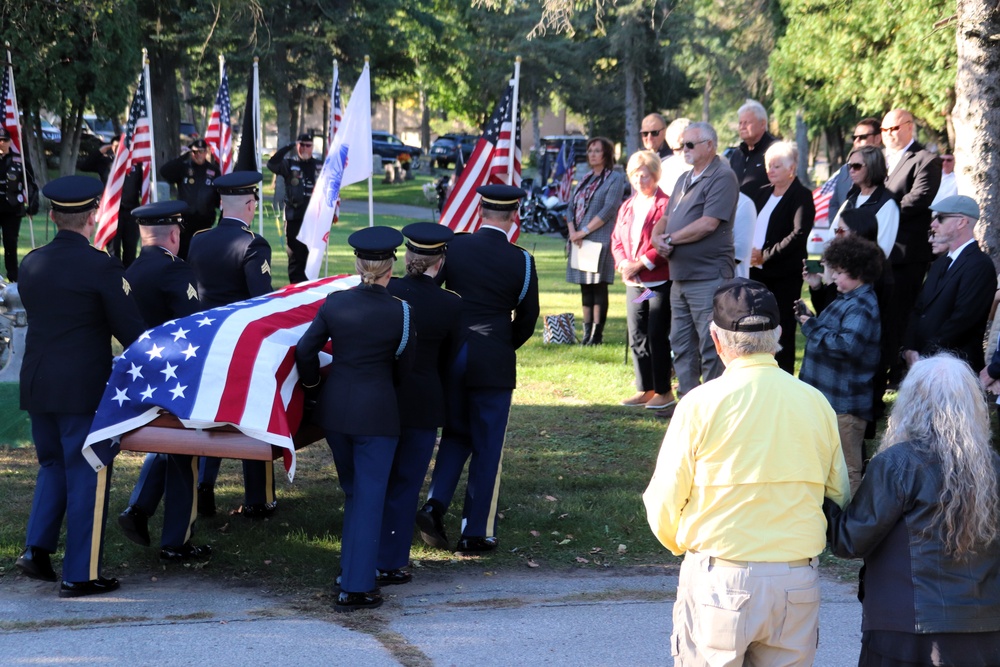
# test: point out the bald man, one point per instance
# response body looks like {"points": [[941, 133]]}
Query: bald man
{"points": [[653, 133]]}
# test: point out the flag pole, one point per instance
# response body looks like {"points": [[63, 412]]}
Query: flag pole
{"points": [[329, 145], [152, 144], [371, 201], [513, 121], [222, 68], [259, 137], [24, 139]]}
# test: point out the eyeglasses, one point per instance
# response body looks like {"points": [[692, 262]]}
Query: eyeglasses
{"points": [[939, 219], [691, 144], [947, 159], [895, 128], [305, 145], [855, 166], [839, 231], [859, 137], [197, 151], [4, 139], [651, 133]]}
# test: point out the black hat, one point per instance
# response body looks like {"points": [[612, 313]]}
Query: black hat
{"points": [[161, 213], [375, 242], [427, 238], [238, 183], [741, 298], [74, 194], [305, 136], [861, 221], [4, 134], [500, 197], [199, 143]]}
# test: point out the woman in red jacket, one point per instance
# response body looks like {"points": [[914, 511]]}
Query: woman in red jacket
{"points": [[647, 280]]}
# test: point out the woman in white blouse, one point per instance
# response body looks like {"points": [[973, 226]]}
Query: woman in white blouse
{"points": [[867, 169]]}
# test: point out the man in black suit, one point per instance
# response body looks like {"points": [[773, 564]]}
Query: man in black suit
{"points": [[914, 178], [494, 279], [747, 161], [951, 310], [163, 288], [76, 298], [231, 264]]}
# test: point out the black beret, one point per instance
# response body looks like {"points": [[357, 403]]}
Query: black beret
{"points": [[238, 183], [74, 194], [500, 197], [161, 213], [427, 238], [375, 242]]}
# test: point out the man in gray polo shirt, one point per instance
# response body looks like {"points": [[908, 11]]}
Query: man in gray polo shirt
{"points": [[697, 238]]}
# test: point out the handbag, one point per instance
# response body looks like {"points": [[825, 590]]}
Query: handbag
{"points": [[560, 329]]}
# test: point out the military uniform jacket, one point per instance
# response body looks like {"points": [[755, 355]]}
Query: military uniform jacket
{"points": [[494, 278], [76, 298], [231, 263], [371, 337], [300, 179], [13, 198], [436, 314], [163, 286], [194, 186]]}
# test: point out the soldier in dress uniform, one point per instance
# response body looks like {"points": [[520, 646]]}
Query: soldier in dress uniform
{"points": [[163, 288], [421, 397], [371, 336], [13, 201], [494, 279], [299, 171], [76, 298], [232, 264], [193, 173]]}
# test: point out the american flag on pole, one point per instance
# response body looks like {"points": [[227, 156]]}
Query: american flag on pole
{"points": [[135, 147], [230, 365], [821, 200], [336, 115], [566, 178], [11, 119], [219, 135], [488, 165]]}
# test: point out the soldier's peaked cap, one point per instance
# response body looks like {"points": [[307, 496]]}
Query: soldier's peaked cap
{"points": [[500, 197], [427, 238], [74, 194], [375, 242], [238, 183], [168, 212]]}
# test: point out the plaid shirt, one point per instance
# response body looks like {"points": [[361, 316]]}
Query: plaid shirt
{"points": [[842, 351]]}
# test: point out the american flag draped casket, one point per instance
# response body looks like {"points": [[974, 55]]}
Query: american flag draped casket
{"points": [[232, 365]]}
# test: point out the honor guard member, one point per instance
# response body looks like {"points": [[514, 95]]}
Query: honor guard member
{"points": [[494, 279], [372, 341], [193, 173], [232, 264], [436, 315], [13, 201], [299, 170], [76, 298], [163, 288]]}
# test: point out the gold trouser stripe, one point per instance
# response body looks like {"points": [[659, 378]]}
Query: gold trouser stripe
{"points": [[269, 481], [194, 499], [492, 517], [96, 536]]}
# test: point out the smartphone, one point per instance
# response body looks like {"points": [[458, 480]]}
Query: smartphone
{"points": [[801, 309], [813, 266]]}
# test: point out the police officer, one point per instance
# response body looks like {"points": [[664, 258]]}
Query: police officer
{"points": [[299, 171], [76, 298], [192, 173], [231, 264], [421, 398], [494, 279], [370, 330], [163, 288], [13, 201]]}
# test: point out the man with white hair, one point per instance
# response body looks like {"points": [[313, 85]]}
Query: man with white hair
{"points": [[738, 490], [747, 161]]}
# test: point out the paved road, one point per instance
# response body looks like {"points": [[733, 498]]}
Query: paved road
{"points": [[469, 617]]}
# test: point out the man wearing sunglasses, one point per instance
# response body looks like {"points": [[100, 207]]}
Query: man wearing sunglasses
{"points": [[192, 173], [747, 161], [951, 310], [653, 133], [299, 172], [866, 133]]}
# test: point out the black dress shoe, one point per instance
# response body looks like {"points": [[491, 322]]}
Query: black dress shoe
{"points": [[35, 563], [475, 545], [258, 511], [356, 601], [392, 577], [135, 524], [430, 522], [76, 589], [206, 500], [184, 553]]}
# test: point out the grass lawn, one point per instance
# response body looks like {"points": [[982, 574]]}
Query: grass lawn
{"points": [[574, 469]]}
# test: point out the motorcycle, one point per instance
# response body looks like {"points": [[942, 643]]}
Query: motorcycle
{"points": [[543, 215]]}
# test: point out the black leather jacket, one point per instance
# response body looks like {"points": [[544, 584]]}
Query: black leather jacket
{"points": [[909, 583]]}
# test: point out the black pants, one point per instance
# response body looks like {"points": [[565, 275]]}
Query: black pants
{"points": [[649, 337], [126, 240], [297, 251], [907, 281], [10, 227], [786, 289]]}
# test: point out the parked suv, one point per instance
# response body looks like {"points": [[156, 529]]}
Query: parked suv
{"points": [[389, 147], [445, 150]]}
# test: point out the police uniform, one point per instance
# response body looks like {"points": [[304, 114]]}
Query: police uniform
{"points": [[371, 335], [76, 298], [300, 179], [194, 186], [494, 279], [13, 202], [126, 240], [232, 264], [435, 314], [163, 288]]}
